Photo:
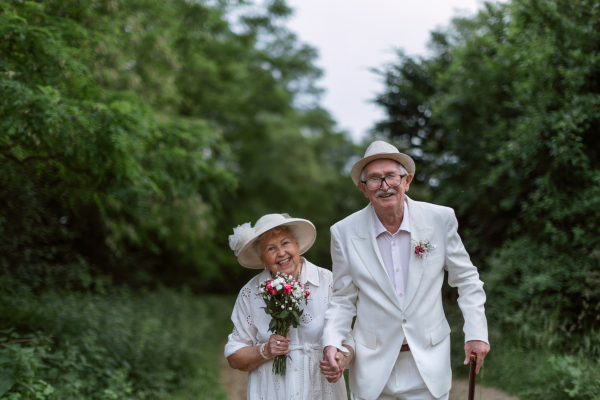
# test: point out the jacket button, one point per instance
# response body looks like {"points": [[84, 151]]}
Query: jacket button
{"points": [[404, 321]]}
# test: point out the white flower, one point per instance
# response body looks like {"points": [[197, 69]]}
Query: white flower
{"points": [[282, 306], [290, 308], [241, 235]]}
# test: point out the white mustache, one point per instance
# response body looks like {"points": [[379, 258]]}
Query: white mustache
{"points": [[380, 192]]}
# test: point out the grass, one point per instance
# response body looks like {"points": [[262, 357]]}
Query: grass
{"points": [[113, 344], [528, 371], [212, 330]]}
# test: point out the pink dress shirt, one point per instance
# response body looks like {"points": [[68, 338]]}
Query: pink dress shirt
{"points": [[395, 251]]}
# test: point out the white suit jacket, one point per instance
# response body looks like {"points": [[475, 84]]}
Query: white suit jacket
{"points": [[362, 288]]}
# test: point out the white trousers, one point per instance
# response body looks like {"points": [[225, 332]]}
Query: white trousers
{"points": [[405, 382]]}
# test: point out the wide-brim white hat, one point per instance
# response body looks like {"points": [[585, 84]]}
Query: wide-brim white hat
{"points": [[380, 149], [244, 236]]}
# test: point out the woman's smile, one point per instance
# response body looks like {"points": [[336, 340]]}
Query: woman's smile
{"points": [[280, 253], [285, 262]]}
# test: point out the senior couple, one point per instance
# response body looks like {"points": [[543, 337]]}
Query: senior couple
{"points": [[388, 269]]}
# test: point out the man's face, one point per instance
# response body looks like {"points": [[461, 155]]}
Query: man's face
{"points": [[385, 197]]}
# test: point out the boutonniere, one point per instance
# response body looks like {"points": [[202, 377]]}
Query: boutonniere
{"points": [[422, 247]]}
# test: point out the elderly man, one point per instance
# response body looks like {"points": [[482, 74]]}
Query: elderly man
{"points": [[388, 269]]}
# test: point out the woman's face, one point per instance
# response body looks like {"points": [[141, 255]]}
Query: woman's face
{"points": [[280, 253]]}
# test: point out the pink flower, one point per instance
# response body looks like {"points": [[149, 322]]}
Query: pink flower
{"points": [[307, 294], [271, 289], [287, 288]]}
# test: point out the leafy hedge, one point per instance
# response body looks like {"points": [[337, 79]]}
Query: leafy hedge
{"points": [[109, 343]]}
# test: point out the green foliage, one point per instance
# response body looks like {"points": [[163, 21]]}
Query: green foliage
{"points": [[134, 135], [112, 345], [578, 376], [93, 172], [527, 365]]}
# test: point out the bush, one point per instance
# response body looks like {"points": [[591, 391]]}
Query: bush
{"points": [[113, 344]]}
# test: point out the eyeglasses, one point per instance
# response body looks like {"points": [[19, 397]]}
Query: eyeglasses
{"points": [[391, 180]]}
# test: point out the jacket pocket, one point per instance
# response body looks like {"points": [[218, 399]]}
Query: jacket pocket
{"points": [[363, 337], [440, 333]]}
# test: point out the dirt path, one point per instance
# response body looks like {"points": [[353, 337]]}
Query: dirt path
{"points": [[235, 383], [460, 391]]}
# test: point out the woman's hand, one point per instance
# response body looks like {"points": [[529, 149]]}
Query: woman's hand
{"points": [[272, 349]]}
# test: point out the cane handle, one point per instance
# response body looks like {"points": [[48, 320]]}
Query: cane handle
{"points": [[472, 376]]}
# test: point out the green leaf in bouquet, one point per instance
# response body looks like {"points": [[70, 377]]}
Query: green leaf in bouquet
{"points": [[270, 304], [272, 324], [296, 316], [283, 314]]}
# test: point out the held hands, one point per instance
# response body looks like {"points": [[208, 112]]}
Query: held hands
{"points": [[272, 349], [478, 347], [334, 363]]}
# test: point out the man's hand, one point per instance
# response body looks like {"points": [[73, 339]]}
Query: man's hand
{"points": [[331, 364], [478, 347]]}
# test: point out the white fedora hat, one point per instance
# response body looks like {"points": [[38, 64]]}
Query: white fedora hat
{"points": [[241, 242], [380, 149]]}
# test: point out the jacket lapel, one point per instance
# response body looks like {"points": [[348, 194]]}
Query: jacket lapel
{"points": [[419, 231], [366, 246]]}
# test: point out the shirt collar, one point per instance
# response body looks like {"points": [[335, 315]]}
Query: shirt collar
{"points": [[309, 273], [404, 226]]}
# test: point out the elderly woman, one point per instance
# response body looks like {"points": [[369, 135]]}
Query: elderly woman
{"points": [[276, 243]]}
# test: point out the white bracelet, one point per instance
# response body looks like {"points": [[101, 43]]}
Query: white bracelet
{"points": [[261, 349]]}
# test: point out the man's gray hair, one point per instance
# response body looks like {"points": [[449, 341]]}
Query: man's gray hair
{"points": [[275, 231], [402, 170]]}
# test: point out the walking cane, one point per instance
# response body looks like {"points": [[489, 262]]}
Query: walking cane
{"points": [[472, 376]]}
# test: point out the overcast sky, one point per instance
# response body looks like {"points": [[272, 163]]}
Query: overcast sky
{"points": [[353, 36]]}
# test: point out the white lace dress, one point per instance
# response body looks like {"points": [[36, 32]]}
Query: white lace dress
{"points": [[303, 379]]}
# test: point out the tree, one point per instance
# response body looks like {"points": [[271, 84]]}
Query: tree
{"points": [[503, 121], [136, 135]]}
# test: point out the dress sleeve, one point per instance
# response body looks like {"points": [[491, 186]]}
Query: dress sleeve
{"points": [[244, 330]]}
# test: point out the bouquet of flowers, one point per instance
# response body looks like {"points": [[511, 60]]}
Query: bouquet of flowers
{"points": [[282, 297]]}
